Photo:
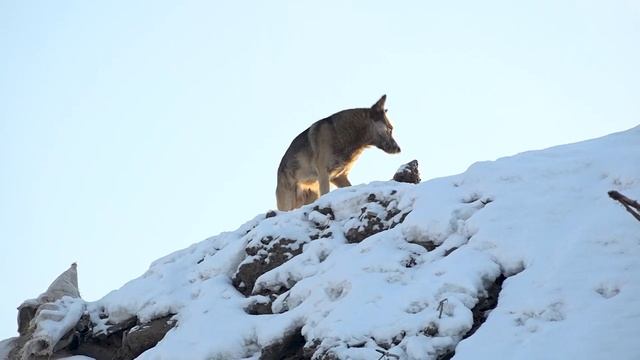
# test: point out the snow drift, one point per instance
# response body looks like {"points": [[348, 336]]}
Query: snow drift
{"points": [[525, 257]]}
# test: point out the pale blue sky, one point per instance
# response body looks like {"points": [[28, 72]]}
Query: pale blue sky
{"points": [[129, 130]]}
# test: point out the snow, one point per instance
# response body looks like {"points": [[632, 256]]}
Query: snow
{"points": [[542, 218]]}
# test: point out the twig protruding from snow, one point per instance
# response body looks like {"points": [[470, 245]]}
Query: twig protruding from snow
{"points": [[386, 355], [441, 307], [632, 206]]}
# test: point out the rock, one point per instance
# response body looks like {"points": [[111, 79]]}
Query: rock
{"points": [[6, 346], [47, 331], [267, 254], [290, 347], [57, 308], [408, 173], [145, 336], [486, 302], [66, 284], [369, 224], [125, 340], [376, 216], [26, 312], [260, 305]]}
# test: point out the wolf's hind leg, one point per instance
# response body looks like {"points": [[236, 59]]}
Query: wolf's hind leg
{"points": [[310, 195], [306, 194], [285, 197], [341, 181]]}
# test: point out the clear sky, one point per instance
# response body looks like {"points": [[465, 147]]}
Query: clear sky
{"points": [[129, 130]]}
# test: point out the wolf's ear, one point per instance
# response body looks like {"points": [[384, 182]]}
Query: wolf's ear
{"points": [[379, 106]]}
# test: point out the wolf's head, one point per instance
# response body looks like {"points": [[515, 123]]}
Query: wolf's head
{"points": [[382, 128]]}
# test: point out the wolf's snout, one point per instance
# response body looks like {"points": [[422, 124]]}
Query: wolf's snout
{"points": [[391, 147]]}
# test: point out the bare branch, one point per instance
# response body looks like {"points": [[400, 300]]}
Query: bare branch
{"points": [[632, 206]]}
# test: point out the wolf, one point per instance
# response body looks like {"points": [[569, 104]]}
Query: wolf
{"points": [[326, 151]]}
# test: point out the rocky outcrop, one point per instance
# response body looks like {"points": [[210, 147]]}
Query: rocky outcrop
{"points": [[265, 253], [44, 321], [121, 341], [57, 323], [386, 270]]}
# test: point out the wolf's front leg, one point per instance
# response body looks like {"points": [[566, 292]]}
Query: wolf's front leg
{"points": [[323, 179], [323, 173]]}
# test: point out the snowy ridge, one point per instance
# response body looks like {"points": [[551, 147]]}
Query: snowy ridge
{"points": [[404, 268]]}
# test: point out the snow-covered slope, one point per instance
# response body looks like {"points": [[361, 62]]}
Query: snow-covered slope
{"points": [[411, 269]]}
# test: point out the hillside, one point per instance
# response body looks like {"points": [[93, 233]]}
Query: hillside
{"points": [[525, 257]]}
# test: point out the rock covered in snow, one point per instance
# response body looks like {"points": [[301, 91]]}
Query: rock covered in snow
{"points": [[52, 322], [66, 284], [408, 173], [6, 346], [57, 323], [42, 322]]}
